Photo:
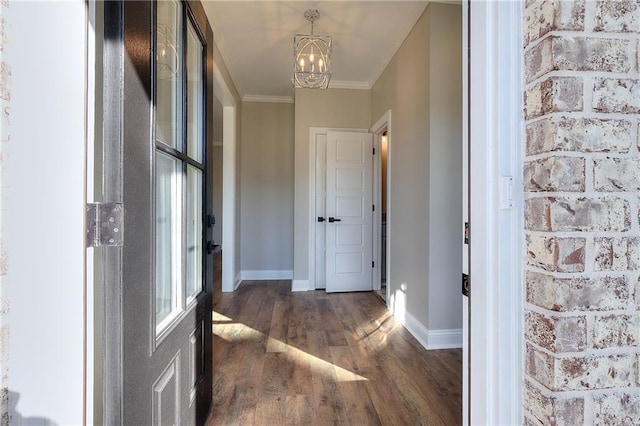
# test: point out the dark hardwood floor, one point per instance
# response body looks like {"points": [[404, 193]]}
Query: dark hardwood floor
{"points": [[312, 358]]}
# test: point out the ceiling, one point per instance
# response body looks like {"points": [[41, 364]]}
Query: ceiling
{"points": [[255, 39]]}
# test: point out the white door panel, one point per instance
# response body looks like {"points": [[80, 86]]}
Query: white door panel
{"points": [[321, 184], [349, 209]]}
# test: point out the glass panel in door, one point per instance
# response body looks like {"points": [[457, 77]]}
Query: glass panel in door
{"points": [[194, 95], [194, 232], [167, 237], [168, 81]]}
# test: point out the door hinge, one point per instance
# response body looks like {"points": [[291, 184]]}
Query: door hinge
{"points": [[467, 233], [374, 151], [466, 285], [373, 207], [373, 264], [104, 224]]}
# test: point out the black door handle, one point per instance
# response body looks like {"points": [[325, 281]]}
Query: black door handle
{"points": [[333, 219], [210, 247], [320, 219]]}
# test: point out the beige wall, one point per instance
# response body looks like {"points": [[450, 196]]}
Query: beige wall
{"points": [[422, 88], [445, 166], [217, 193], [266, 208], [334, 108]]}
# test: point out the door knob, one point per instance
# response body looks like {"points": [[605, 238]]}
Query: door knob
{"points": [[321, 219], [333, 219]]}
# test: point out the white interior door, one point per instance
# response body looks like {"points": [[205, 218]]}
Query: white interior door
{"points": [[349, 209]]}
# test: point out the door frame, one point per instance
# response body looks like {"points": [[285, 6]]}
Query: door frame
{"points": [[496, 123], [230, 232], [313, 133], [383, 124]]}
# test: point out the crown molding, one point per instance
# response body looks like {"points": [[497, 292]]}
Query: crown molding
{"points": [[271, 99], [356, 85]]}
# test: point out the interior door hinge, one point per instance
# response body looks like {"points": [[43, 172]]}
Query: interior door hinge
{"points": [[466, 285], [374, 151], [467, 233], [373, 207], [104, 224], [373, 264]]}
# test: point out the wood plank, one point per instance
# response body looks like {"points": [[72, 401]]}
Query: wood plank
{"points": [[300, 411], [279, 326], [328, 402], [317, 359], [271, 407], [330, 323]]}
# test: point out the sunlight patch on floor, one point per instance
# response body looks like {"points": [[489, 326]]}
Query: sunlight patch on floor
{"points": [[217, 317], [236, 332]]}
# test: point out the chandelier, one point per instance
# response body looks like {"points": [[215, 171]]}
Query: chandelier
{"points": [[312, 57]]}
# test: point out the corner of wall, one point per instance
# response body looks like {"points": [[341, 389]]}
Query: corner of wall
{"points": [[581, 174]]}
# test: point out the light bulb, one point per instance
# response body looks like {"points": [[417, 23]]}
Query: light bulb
{"points": [[302, 64], [311, 57], [320, 63]]}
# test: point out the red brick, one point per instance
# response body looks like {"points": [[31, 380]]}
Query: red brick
{"points": [[577, 294], [557, 254], [579, 135], [617, 16], [619, 408], [616, 95], [553, 409], [577, 214], [617, 253], [544, 16], [596, 372], [614, 331], [572, 53], [555, 174], [617, 174], [556, 334], [555, 94]]}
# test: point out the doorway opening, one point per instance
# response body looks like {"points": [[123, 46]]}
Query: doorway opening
{"points": [[384, 149], [382, 196]]}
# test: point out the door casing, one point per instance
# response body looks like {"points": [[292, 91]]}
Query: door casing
{"points": [[495, 98]]}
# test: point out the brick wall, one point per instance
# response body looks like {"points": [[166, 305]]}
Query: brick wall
{"points": [[582, 230]]}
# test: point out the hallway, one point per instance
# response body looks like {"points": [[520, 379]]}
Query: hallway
{"points": [[316, 359]]}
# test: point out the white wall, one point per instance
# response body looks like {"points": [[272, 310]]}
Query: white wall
{"points": [[43, 209], [267, 190]]}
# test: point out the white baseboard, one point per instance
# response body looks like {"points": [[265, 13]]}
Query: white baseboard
{"points": [[237, 281], [433, 339], [300, 285], [266, 275]]}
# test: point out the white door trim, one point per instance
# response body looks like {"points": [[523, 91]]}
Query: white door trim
{"points": [[313, 133], [383, 123], [496, 331], [230, 274]]}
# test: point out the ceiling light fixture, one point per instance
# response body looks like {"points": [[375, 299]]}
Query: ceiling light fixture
{"points": [[312, 57]]}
